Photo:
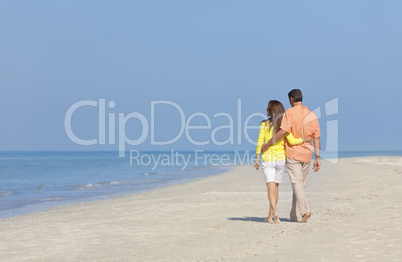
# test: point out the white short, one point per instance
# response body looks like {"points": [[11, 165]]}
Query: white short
{"points": [[273, 170]]}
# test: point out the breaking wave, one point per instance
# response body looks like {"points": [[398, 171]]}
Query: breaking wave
{"points": [[103, 184]]}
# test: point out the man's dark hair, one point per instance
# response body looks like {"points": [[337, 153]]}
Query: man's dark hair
{"points": [[296, 94]]}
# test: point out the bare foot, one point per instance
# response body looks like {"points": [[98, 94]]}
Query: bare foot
{"points": [[305, 217], [276, 219], [269, 219]]}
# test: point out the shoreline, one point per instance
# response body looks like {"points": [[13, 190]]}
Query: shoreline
{"points": [[220, 217], [48, 206], [59, 202]]}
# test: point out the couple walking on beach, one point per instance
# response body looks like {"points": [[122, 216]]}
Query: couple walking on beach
{"points": [[279, 147]]}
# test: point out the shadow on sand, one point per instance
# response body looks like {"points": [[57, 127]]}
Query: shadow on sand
{"points": [[257, 219]]}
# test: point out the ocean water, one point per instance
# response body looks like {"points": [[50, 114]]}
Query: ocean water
{"points": [[37, 181]]}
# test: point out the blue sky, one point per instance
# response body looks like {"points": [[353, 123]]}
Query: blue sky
{"points": [[202, 56]]}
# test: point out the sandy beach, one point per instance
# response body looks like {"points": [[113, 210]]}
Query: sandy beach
{"points": [[356, 216]]}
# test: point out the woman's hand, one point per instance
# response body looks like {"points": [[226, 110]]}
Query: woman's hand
{"points": [[307, 140], [257, 164]]}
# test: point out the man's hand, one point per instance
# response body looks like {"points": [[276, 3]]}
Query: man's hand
{"points": [[317, 148], [264, 147], [316, 165], [278, 136]]}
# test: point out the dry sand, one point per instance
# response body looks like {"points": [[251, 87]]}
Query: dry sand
{"points": [[356, 216]]}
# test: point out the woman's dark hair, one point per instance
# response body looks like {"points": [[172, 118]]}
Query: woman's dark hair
{"points": [[276, 111], [296, 94]]}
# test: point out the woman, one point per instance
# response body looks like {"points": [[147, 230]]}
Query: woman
{"points": [[274, 158]]}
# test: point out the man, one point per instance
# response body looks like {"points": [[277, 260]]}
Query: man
{"points": [[302, 123]]}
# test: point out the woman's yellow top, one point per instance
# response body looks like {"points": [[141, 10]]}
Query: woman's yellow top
{"points": [[276, 152]]}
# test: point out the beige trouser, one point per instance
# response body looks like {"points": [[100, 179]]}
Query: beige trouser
{"points": [[298, 173]]}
